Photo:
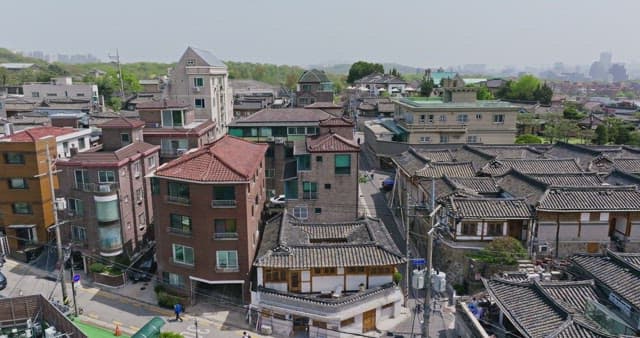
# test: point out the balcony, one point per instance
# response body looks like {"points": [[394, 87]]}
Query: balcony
{"points": [[309, 195], [100, 188], [227, 268], [225, 235], [177, 200], [180, 231], [434, 127], [223, 203]]}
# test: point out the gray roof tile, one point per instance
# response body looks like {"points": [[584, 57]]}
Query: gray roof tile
{"points": [[532, 166], [494, 208], [601, 198]]}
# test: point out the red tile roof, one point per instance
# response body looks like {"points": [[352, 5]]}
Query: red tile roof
{"points": [[330, 143], [229, 159], [116, 158], [337, 122], [161, 104], [33, 134], [122, 122]]}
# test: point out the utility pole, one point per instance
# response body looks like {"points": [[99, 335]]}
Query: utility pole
{"points": [[426, 316], [406, 238], [56, 225], [73, 282], [117, 58]]}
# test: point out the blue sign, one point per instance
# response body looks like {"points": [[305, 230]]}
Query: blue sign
{"points": [[418, 261], [76, 278]]}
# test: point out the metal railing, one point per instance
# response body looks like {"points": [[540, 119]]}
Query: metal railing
{"points": [[96, 187], [223, 203], [225, 235], [179, 231], [178, 200]]}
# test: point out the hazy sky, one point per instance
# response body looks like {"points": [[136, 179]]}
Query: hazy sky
{"points": [[417, 33]]}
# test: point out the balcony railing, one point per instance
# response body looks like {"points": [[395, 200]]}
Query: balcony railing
{"points": [[308, 195], [458, 127], [223, 203], [225, 235], [178, 200], [97, 187], [227, 268], [180, 231]]}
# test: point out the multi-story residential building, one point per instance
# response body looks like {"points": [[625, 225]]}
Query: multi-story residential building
{"points": [[325, 279], [279, 128], [62, 87], [375, 84], [313, 86], [173, 126], [108, 197], [457, 117], [26, 206], [208, 205], [321, 185], [201, 80], [68, 140]]}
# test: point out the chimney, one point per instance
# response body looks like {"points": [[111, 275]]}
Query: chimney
{"points": [[8, 129]]}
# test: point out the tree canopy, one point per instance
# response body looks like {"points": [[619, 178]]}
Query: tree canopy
{"points": [[502, 250], [526, 88], [426, 87], [528, 139], [361, 69], [109, 86]]}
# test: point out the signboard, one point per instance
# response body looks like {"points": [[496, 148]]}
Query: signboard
{"points": [[418, 261], [76, 278]]}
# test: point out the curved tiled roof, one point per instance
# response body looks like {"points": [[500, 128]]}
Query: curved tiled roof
{"points": [[330, 255], [598, 198], [122, 122], [532, 166], [574, 295], [477, 184], [629, 165], [439, 169], [336, 122], [568, 179], [229, 159], [490, 208], [331, 143]]}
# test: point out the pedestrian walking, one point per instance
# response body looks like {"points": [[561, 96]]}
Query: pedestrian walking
{"points": [[177, 308]]}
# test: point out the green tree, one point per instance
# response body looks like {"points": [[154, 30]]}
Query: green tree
{"points": [[528, 139], [559, 129], [543, 94], [524, 88], [502, 250], [170, 335], [109, 87], [484, 93], [602, 134], [361, 69], [571, 113], [426, 87]]}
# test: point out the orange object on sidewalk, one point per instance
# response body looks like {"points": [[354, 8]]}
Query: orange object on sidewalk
{"points": [[118, 332]]}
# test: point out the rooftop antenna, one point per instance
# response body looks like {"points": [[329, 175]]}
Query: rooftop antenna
{"points": [[116, 58]]}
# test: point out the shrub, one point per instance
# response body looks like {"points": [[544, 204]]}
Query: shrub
{"points": [[122, 260], [397, 277], [460, 289], [166, 300], [159, 288], [170, 335], [97, 267], [113, 270], [502, 250]]}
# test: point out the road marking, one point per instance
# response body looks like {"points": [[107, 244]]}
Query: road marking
{"points": [[115, 322], [134, 328], [94, 316]]}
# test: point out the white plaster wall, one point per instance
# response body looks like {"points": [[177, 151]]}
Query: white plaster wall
{"points": [[568, 231], [305, 276], [621, 224], [277, 286], [353, 281], [305, 287], [326, 283], [378, 280], [635, 230], [596, 231], [546, 231], [281, 328]]}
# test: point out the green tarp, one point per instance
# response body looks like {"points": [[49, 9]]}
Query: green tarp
{"points": [[150, 329]]}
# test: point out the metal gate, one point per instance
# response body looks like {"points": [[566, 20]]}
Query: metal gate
{"points": [[4, 245]]}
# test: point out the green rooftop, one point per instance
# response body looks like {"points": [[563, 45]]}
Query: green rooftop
{"points": [[94, 331], [437, 102]]}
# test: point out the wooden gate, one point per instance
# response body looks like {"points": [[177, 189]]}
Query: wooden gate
{"points": [[369, 321]]}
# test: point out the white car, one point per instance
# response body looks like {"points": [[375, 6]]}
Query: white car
{"points": [[277, 200]]}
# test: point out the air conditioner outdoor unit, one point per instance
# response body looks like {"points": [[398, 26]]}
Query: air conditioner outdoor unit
{"points": [[270, 138], [196, 89], [104, 188], [279, 140], [543, 248], [181, 151], [61, 203]]}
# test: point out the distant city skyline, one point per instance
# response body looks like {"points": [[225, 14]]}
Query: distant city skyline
{"points": [[414, 33]]}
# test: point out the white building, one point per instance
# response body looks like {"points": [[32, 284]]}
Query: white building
{"points": [[68, 140], [62, 87], [201, 80]]}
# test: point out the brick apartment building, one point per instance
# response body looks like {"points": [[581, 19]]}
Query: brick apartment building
{"points": [[208, 205]]}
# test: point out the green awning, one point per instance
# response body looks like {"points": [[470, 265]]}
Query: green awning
{"points": [[150, 329]]}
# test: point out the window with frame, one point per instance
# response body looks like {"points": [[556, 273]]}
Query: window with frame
{"points": [[424, 139], [327, 185], [199, 103], [22, 208], [318, 211], [35, 94], [356, 269], [106, 176], [13, 158], [182, 254], [462, 118], [78, 233], [82, 144], [318, 158], [343, 164], [18, 183], [141, 219], [275, 275], [151, 162], [173, 279], [139, 195], [444, 138], [178, 192], [198, 82], [136, 169], [125, 138], [472, 139], [423, 118], [304, 162], [269, 172], [172, 118], [224, 196], [225, 228], [309, 190], [443, 118], [498, 118], [155, 186], [478, 116], [325, 271], [191, 62], [469, 228], [75, 206], [431, 117], [180, 224], [301, 212], [227, 259], [494, 228]]}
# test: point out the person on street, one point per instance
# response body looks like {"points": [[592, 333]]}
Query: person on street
{"points": [[177, 309]]}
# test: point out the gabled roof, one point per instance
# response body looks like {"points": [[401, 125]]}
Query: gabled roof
{"points": [[288, 243], [568, 179], [532, 166], [157, 104], [313, 76], [600, 198], [618, 177], [439, 169], [490, 208], [284, 115], [379, 78], [629, 165], [121, 122], [480, 185], [434, 155], [337, 122], [206, 56], [34, 134], [632, 258], [330, 143], [508, 151], [228, 159]]}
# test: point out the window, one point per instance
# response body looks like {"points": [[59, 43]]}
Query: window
{"points": [[425, 139], [81, 178], [155, 186], [306, 87], [327, 185], [325, 271], [172, 118], [585, 217], [227, 260], [35, 94], [387, 306], [199, 103], [498, 118], [106, 176], [478, 116], [304, 162], [80, 94], [494, 229], [191, 62], [423, 118], [318, 158], [269, 173], [178, 192], [52, 94], [18, 183], [78, 233], [469, 229], [318, 211], [22, 208], [139, 195], [75, 207], [151, 162], [141, 219], [309, 190], [198, 82], [82, 143], [225, 228], [343, 164], [472, 139], [301, 212], [14, 158], [136, 169], [173, 279], [463, 118], [443, 118], [224, 196], [431, 118], [125, 138], [180, 224], [275, 275], [444, 138], [182, 254]]}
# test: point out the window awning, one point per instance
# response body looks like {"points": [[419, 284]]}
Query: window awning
{"points": [[22, 226]]}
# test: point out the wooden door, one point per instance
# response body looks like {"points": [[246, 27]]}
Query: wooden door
{"points": [[514, 229], [369, 321], [294, 281]]}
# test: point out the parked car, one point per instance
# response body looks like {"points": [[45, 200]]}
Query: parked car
{"points": [[277, 200], [387, 184], [143, 270], [3, 281]]}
